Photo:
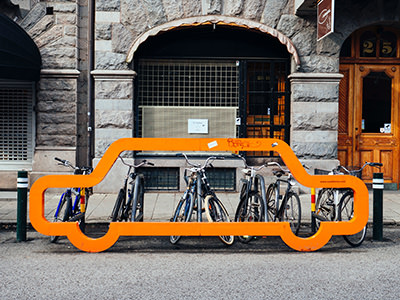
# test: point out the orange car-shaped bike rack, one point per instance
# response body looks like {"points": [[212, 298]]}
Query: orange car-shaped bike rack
{"points": [[117, 229]]}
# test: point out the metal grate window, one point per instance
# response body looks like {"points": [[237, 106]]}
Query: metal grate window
{"points": [[168, 89], [16, 122], [160, 178], [222, 179], [267, 102]]}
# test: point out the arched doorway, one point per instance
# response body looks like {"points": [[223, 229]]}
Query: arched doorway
{"points": [[232, 80], [20, 64], [369, 101]]}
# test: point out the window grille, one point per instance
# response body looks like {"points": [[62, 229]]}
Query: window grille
{"points": [[173, 91], [222, 179], [16, 123], [160, 178]]}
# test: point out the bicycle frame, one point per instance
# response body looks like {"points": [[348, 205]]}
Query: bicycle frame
{"points": [[252, 179], [280, 207], [121, 209]]}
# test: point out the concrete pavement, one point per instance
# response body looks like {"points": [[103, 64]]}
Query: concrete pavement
{"points": [[160, 206]]}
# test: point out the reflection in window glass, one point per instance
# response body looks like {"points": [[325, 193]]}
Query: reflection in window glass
{"points": [[388, 44], [368, 44], [345, 51], [377, 99]]}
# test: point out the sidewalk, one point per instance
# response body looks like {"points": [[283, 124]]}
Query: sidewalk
{"points": [[159, 207]]}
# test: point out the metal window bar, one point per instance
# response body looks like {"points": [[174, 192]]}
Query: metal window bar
{"points": [[186, 83], [157, 178], [16, 122], [222, 179]]}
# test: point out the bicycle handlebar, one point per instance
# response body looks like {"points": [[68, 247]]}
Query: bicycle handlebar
{"points": [[66, 163], [372, 164], [142, 163], [246, 165], [208, 161], [274, 163]]}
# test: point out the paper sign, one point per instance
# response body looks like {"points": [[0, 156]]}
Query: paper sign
{"points": [[198, 126]]}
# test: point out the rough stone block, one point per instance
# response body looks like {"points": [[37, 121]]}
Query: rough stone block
{"points": [[41, 26], [110, 61], [306, 92], [290, 25], [212, 7], [103, 31], [51, 35], [233, 7], [122, 38], [316, 150], [253, 9], [191, 8], [66, 19], [173, 9], [114, 119], [272, 12], [35, 14], [113, 89], [108, 5]]}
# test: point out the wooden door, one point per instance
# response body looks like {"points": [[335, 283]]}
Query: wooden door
{"points": [[369, 96]]}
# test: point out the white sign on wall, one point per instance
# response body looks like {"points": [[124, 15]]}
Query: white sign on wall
{"points": [[198, 126]]}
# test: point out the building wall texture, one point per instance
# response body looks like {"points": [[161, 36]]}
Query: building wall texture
{"points": [[62, 36]]}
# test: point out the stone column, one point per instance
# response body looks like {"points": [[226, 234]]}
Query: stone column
{"points": [[113, 118], [56, 121], [314, 118]]}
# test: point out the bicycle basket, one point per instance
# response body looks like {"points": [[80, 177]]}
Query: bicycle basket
{"points": [[354, 171]]}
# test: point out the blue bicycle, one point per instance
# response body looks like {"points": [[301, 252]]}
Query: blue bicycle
{"points": [[73, 202]]}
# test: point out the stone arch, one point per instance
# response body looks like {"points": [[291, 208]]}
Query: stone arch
{"points": [[218, 20]]}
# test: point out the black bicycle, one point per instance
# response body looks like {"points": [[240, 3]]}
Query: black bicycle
{"points": [[286, 207], [129, 205], [73, 202], [338, 204], [252, 203], [198, 193]]}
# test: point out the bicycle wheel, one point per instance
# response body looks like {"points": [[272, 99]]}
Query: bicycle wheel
{"points": [[271, 201], [60, 215], [183, 213], [249, 210], [138, 195], [325, 206], [216, 212], [346, 212], [117, 210], [292, 211]]}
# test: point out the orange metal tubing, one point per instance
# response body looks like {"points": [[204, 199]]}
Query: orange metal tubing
{"points": [[116, 229]]}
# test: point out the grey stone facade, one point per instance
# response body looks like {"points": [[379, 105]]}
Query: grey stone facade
{"points": [[62, 105]]}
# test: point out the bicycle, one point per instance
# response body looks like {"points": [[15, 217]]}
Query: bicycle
{"points": [[252, 203], [68, 210], [198, 190], [289, 210], [338, 204], [129, 198]]}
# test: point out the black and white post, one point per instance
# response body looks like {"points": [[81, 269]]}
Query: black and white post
{"points": [[377, 186], [22, 194]]}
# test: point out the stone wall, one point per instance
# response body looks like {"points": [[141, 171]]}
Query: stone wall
{"points": [[54, 28], [120, 22], [114, 107]]}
